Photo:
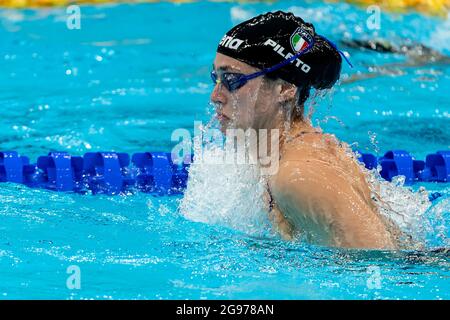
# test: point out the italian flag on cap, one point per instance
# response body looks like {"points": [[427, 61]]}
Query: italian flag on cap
{"points": [[300, 40]]}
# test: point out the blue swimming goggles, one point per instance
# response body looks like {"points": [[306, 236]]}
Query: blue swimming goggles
{"points": [[233, 81]]}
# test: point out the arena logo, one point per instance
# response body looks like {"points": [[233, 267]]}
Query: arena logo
{"points": [[230, 42], [280, 50]]}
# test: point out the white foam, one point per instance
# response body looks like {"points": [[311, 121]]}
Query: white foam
{"points": [[226, 194], [402, 205]]}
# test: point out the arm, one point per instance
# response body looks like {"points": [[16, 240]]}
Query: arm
{"points": [[323, 203]]}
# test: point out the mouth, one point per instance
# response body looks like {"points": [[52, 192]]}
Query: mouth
{"points": [[221, 117]]}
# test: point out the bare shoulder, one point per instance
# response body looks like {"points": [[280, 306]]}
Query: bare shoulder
{"points": [[305, 198], [318, 146], [305, 177], [323, 159], [322, 191]]}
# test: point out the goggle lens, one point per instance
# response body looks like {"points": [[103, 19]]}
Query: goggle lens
{"points": [[232, 81]]}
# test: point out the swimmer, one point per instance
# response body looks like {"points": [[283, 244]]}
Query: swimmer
{"points": [[417, 55], [263, 72]]}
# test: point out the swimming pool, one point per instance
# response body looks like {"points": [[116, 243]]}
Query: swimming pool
{"points": [[134, 73]]}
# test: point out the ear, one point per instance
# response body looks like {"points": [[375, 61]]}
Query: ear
{"points": [[287, 92]]}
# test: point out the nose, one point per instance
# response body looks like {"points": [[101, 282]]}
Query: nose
{"points": [[217, 95]]}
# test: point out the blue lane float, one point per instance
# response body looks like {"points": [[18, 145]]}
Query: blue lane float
{"points": [[436, 167], [100, 172], [59, 171], [107, 172], [155, 172], [12, 167]]}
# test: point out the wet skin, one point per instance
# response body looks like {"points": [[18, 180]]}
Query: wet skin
{"points": [[320, 192]]}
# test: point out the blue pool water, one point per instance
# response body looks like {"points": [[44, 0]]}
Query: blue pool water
{"points": [[134, 73]]}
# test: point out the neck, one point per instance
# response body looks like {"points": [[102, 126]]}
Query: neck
{"points": [[290, 131], [286, 132]]}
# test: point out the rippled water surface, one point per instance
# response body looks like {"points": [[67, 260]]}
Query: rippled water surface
{"points": [[134, 73]]}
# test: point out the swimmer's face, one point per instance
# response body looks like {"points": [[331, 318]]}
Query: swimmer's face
{"points": [[252, 106]]}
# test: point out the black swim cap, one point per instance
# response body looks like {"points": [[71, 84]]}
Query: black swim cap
{"points": [[271, 38]]}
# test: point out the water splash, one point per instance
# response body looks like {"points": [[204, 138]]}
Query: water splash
{"points": [[422, 223], [227, 194]]}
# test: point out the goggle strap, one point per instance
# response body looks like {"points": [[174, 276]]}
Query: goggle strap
{"points": [[337, 49], [287, 61], [279, 65]]}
